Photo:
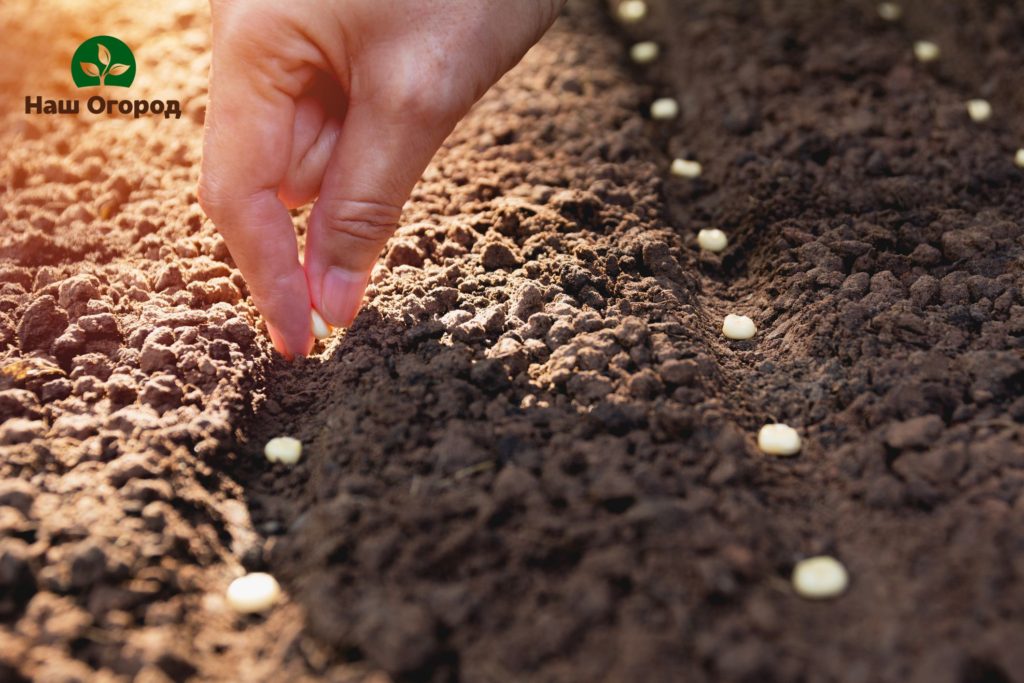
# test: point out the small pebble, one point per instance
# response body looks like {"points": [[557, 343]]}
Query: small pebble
{"points": [[738, 327], [979, 110], [283, 449], [819, 578], [631, 11], [645, 52], [321, 330], [686, 168], [712, 239], [778, 439], [664, 109], [890, 11], [1019, 157], [256, 592], [926, 51]]}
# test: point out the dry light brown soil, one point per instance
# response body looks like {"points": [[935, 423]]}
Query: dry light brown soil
{"points": [[532, 457]]}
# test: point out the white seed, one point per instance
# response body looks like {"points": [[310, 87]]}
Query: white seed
{"points": [[890, 11], [926, 51], [819, 578], [631, 11], [686, 168], [738, 327], [645, 52], [712, 239], [778, 439], [256, 592], [321, 330], [1019, 157], [664, 108], [283, 449], [979, 110]]}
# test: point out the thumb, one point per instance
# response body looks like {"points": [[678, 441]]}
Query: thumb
{"points": [[376, 162]]}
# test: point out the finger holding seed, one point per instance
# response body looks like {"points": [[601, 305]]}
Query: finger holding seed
{"points": [[347, 107], [247, 125]]}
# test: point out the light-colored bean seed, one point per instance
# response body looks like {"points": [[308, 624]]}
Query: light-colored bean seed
{"points": [[926, 51], [820, 578], [283, 449], [712, 239], [631, 11], [890, 11], [256, 592], [686, 168], [979, 110], [645, 52], [738, 327], [779, 439], [321, 330], [664, 109]]}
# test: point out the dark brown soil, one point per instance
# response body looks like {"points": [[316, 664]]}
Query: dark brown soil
{"points": [[532, 457]]}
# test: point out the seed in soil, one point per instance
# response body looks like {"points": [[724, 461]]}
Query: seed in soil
{"points": [[926, 51], [890, 11], [778, 439], [686, 168], [1019, 157], [979, 110], [712, 239], [738, 327], [631, 11], [321, 330], [664, 109], [645, 52], [283, 449], [256, 592], [819, 578]]}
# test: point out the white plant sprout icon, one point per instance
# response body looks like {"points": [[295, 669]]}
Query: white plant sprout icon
{"points": [[109, 69]]}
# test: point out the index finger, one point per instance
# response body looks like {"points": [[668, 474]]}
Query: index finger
{"points": [[246, 150]]}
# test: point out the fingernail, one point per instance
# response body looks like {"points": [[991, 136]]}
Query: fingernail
{"points": [[342, 295], [278, 340], [321, 330]]}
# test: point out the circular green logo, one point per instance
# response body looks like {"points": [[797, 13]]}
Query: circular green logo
{"points": [[103, 60]]}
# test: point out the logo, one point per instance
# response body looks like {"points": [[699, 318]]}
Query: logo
{"points": [[103, 60]]}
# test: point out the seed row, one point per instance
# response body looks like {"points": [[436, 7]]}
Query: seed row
{"points": [[818, 577]]}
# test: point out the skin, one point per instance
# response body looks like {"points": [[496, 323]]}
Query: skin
{"points": [[344, 102]]}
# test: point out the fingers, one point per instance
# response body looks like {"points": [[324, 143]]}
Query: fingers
{"points": [[318, 115], [246, 151], [376, 162]]}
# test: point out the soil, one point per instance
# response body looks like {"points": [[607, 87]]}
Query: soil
{"points": [[532, 457]]}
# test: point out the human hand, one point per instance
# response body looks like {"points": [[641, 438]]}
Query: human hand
{"points": [[345, 101]]}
